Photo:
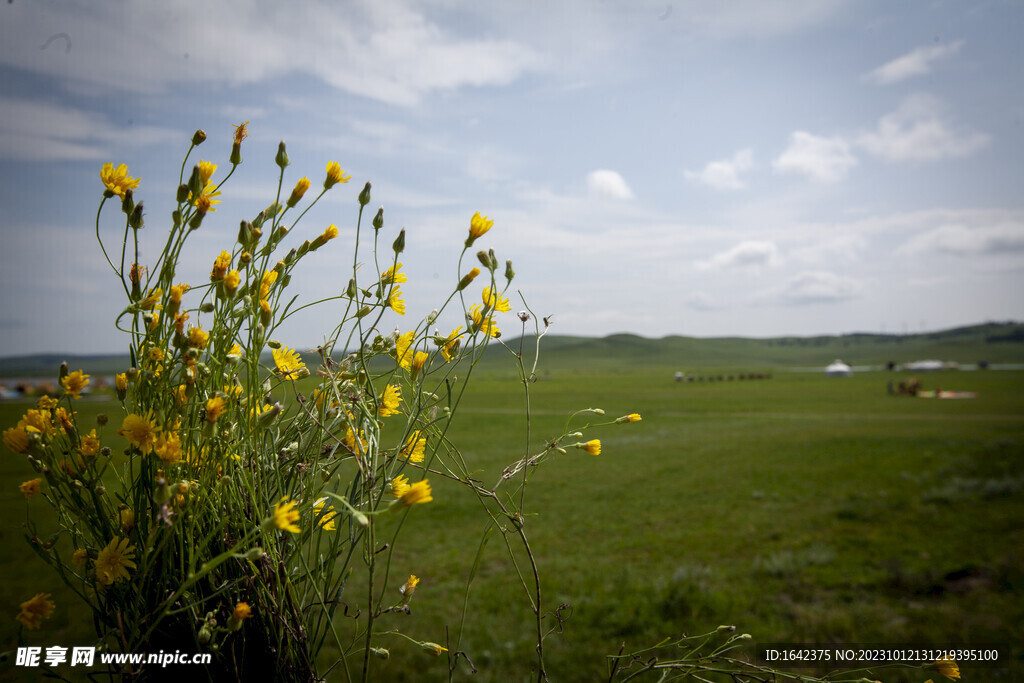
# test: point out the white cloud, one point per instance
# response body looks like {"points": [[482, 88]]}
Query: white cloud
{"points": [[967, 240], [725, 174], [743, 255], [818, 286], [608, 184], [387, 51], [702, 301], [41, 132], [915, 63], [821, 159], [919, 130]]}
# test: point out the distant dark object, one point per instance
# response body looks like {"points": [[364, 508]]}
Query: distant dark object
{"points": [[679, 377], [890, 366], [983, 365]]}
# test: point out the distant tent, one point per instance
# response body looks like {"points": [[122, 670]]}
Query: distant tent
{"points": [[838, 369]]}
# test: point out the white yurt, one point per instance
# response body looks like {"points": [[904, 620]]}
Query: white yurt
{"points": [[838, 369]]}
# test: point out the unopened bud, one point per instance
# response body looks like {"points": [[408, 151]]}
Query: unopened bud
{"points": [[380, 652], [378, 220], [282, 155], [127, 203], [199, 137], [509, 273], [195, 182], [102, 419], [399, 245], [364, 196], [467, 278], [135, 218], [236, 154], [207, 307], [273, 343], [351, 290], [484, 259]]}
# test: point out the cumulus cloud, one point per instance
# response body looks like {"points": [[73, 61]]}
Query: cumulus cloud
{"points": [[725, 174], [813, 287], [745, 254], [824, 160], [915, 63], [387, 51], [919, 130], [608, 184], [965, 240]]}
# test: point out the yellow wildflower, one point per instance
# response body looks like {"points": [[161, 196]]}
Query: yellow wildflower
{"points": [[632, 417], [948, 668], [269, 278], [409, 587], [326, 520], [168, 447], [390, 400], [300, 189], [396, 304], [288, 362], [593, 446], [402, 344], [117, 179], [335, 175], [231, 281], [494, 301], [478, 225], [80, 557], [30, 487], [418, 361], [74, 383], [90, 445], [197, 337], [16, 438], [415, 447], [393, 275], [483, 323], [127, 519], [241, 611], [399, 485], [114, 561], [241, 132], [285, 516], [433, 648], [206, 169], [450, 344], [35, 610], [416, 493], [215, 407], [220, 266], [46, 403], [139, 431]]}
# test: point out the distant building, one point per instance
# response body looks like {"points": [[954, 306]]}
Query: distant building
{"points": [[838, 369]]}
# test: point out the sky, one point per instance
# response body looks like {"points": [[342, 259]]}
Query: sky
{"points": [[699, 168]]}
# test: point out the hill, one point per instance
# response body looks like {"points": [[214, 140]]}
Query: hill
{"points": [[990, 342]]}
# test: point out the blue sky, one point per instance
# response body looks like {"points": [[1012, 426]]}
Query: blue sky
{"points": [[698, 168]]}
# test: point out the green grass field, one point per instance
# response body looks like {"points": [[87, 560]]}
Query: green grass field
{"points": [[800, 508]]}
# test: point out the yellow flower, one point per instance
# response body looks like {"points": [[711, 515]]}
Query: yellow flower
{"points": [[390, 400], [415, 447], [139, 431], [495, 301], [417, 493], [117, 179], [205, 201], [418, 361], [409, 587], [593, 446], [168, 447], [478, 225], [80, 557], [114, 561], [397, 304], [30, 487], [236, 350], [288, 362], [46, 403], [352, 445], [127, 519], [240, 132], [37, 421], [399, 485], [632, 417], [330, 232], [300, 189], [327, 520], [179, 322], [948, 668], [220, 266], [483, 323], [151, 300], [215, 407], [74, 383], [206, 169], [450, 344], [285, 516], [16, 438], [402, 354], [90, 445], [197, 337], [241, 611], [433, 648], [231, 281], [335, 175], [268, 279], [393, 275], [35, 610]]}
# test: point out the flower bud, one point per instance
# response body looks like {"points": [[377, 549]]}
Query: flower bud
{"points": [[364, 196], [176, 215], [102, 419], [378, 220], [493, 259], [399, 245], [135, 218], [363, 312], [195, 182], [467, 278], [380, 652], [206, 307], [196, 220], [236, 154], [300, 189], [484, 259], [509, 273], [127, 203], [244, 233], [199, 137], [351, 290], [273, 343], [282, 155]]}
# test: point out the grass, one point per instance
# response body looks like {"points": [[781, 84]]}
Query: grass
{"points": [[800, 508]]}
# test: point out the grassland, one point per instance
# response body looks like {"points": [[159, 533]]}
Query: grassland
{"points": [[801, 508]]}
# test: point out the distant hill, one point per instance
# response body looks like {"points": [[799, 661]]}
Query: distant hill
{"points": [[991, 342]]}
